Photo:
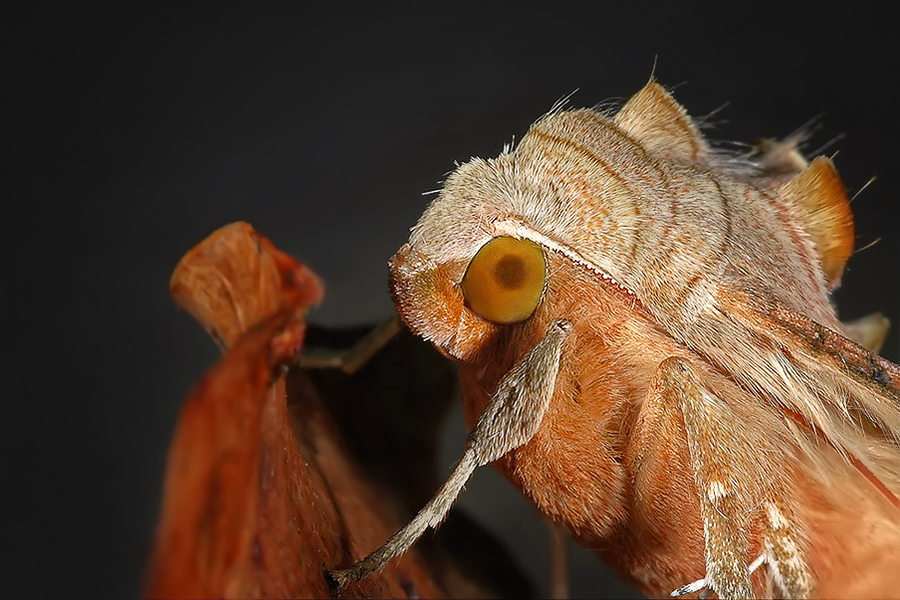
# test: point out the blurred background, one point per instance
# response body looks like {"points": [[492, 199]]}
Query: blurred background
{"points": [[130, 134]]}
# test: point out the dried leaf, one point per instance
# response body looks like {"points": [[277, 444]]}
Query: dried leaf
{"points": [[235, 278], [250, 508]]}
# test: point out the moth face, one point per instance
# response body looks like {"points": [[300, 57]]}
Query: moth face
{"points": [[458, 305], [464, 274]]}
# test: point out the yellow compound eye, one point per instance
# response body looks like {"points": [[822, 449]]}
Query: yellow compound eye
{"points": [[504, 281]]}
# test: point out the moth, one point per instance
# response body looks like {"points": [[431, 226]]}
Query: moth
{"points": [[648, 351]]}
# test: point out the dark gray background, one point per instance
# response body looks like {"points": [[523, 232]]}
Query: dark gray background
{"points": [[129, 135]]}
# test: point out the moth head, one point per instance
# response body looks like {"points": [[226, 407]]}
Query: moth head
{"points": [[463, 274]]}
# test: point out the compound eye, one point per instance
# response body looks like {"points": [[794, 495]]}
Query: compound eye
{"points": [[504, 280]]}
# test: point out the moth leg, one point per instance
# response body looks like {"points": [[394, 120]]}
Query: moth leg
{"points": [[706, 591], [717, 447], [510, 420], [783, 553], [720, 450], [353, 358]]}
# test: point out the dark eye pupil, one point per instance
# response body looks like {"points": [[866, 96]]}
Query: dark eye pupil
{"points": [[509, 272]]}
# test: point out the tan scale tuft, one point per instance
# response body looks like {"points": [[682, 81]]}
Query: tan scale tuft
{"points": [[824, 210]]}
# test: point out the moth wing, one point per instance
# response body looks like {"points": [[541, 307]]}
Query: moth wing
{"points": [[851, 395]]}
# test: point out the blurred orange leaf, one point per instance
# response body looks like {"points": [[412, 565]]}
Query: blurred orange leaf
{"points": [[256, 503]]}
